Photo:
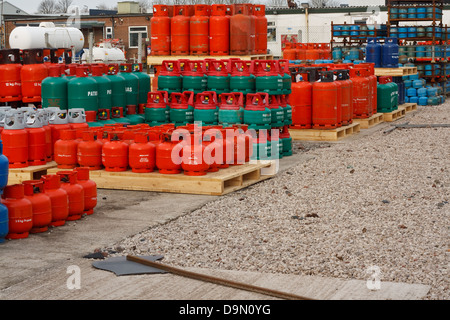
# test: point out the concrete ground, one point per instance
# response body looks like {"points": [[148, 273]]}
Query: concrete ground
{"points": [[36, 268]]}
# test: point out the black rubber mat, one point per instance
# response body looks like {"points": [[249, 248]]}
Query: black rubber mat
{"points": [[121, 266]]}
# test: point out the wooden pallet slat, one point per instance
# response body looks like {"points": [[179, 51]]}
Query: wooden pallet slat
{"points": [[157, 60], [18, 175], [221, 182], [409, 107], [326, 134], [394, 115], [371, 121], [395, 72]]}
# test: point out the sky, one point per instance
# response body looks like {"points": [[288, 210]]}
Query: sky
{"points": [[30, 6]]}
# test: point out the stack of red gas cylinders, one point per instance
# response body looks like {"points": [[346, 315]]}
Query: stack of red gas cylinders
{"points": [[306, 51], [189, 149], [329, 96], [216, 30], [28, 135], [36, 205]]}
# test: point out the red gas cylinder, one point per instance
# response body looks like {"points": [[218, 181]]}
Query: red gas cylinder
{"points": [[32, 73], [115, 154], [65, 150], [301, 97], [311, 52], [260, 28], [199, 31], [75, 191], [37, 139], [252, 40], [20, 212], [77, 118], [219, 31], [48, 134], [219, 134], [240, 30], [343, 77], [41, 205], [58, 121], [194, 161], [213, 149], [59, 199], [373, 83], [290, 51], [89, 151], [179, 28], [90, 189], [10, 78], [361, 92], [160, 31], [339, 100], [15, 139], [325, 92], [142, 154], [165, 162], [301, 51]]}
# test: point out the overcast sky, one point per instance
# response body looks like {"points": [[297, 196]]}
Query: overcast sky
{"points": [[30, 6]]}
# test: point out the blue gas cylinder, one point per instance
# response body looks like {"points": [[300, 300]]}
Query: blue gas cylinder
{"points": [[411, 92], [412, 32], [4, 222], [373, 52], [421, 13], [423, 101], [413, 99], [422, 92], [389, 53]]}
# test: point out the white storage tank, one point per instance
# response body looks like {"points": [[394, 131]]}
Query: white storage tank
{"points": [[47, 35], [104, 53]]}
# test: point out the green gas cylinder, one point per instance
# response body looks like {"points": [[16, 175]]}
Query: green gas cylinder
{"points": [[277, 112], [157, 110], [242, 78], [231, 108], [257, 114], [268, 78], [182, 108], [262, 149], [82, 92], [104, 87], [131, 85], [286, 76], [194, 76], [144, 84], [169, 77], [286, 141], [206, 108], [54, 89], [385, 95], [217, 75], [118, 98]]}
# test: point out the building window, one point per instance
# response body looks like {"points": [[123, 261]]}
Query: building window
{"points": [[271, 34], [134, 35], [108, 33]]}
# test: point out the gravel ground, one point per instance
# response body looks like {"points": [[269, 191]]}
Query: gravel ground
{"points": [[383, 200]]}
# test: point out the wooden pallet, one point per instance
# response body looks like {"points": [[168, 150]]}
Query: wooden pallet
{"points": [[19, 175], [325, 135], [213, 183], [157, 60], [394, 115], [409, 107], [370, 122], [395, 72]]}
